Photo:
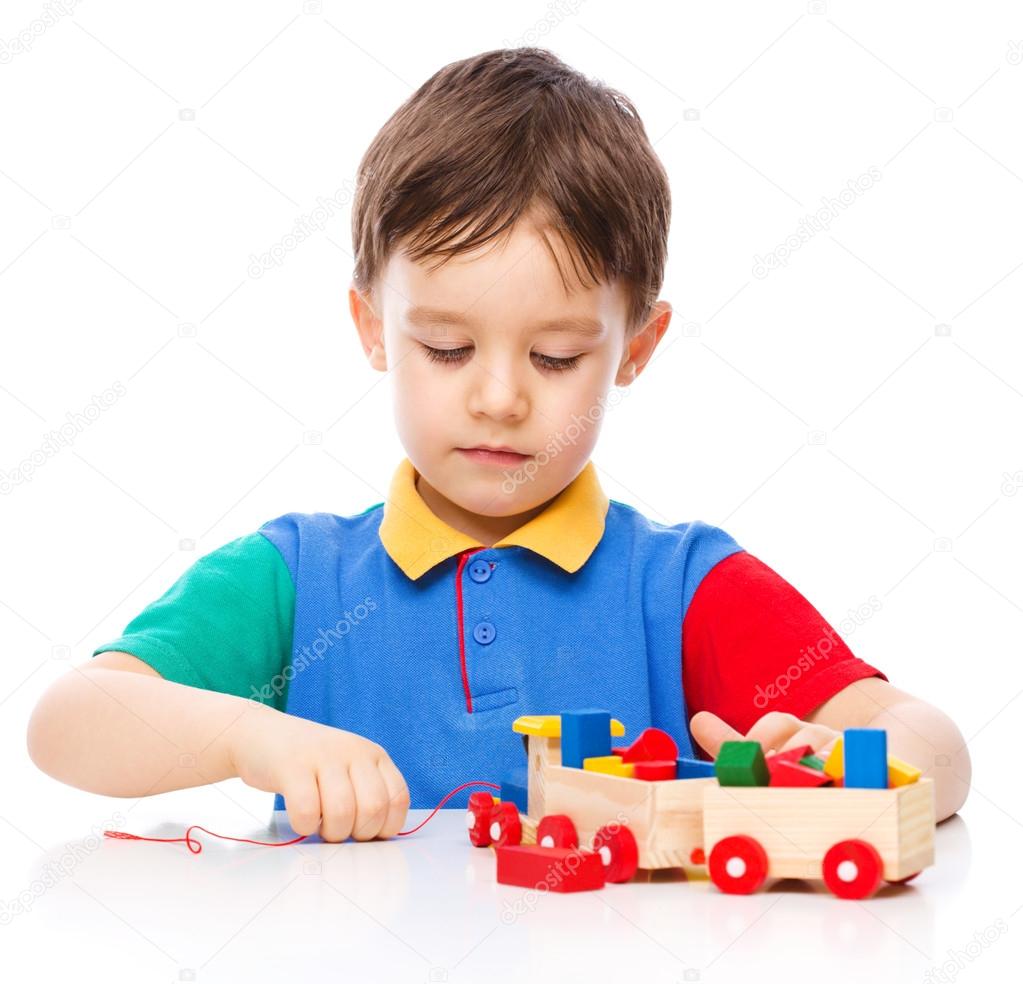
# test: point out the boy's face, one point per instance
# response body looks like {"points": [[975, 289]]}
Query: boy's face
{"points": [[518, 375]]}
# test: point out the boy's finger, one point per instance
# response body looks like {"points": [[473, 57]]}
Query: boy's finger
{"points": [[302, 800], [337, 803], [710, 731], [773, 729], [398, 797], [817, 736], [371, 799]]}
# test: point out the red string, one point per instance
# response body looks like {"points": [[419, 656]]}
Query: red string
{"points": [[196, 847]]}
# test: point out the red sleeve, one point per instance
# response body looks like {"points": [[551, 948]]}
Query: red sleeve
{"points": [[751, 643]]}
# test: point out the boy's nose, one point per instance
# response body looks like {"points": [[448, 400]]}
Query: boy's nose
{"points": [[497, 392]]}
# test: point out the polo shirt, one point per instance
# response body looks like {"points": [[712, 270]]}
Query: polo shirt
{"points": [[392, 624]]}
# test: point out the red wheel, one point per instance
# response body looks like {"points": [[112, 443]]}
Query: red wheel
{"points": [[738, 865], [556, 830], [902, 881], [617, 848], [505, 825], [477, 818], [852, 869]]}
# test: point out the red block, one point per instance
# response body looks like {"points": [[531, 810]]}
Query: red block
{"points": [[651, 745], [785, 773], [655, 770], [792, 755], [554, 869]]}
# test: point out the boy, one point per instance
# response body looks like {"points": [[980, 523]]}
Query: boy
{"points": [[510, 233]]}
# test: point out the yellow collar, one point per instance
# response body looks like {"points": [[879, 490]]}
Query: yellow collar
{"points": [[566, 532]]}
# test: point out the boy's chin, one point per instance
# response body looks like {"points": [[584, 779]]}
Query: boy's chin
{"points": [[488, 496]]}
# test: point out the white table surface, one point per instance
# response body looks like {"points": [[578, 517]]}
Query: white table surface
{"points": [[426, 907]]}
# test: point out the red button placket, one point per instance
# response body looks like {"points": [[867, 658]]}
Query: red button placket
{"points": [[460, 615]]}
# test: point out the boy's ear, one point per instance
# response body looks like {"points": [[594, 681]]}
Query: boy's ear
{"points": [[370, 328], [641, 346]]}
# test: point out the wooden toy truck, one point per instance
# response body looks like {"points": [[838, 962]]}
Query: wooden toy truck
{"points": [[851, 838]]}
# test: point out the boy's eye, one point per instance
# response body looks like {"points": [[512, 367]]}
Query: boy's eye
{"points": [[458, 354]]}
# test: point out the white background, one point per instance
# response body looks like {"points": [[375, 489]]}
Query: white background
{"points": [[853, 418]]}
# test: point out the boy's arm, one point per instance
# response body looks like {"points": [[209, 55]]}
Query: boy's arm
{"points": [[761, 663], [117, 728], [918, 733]]}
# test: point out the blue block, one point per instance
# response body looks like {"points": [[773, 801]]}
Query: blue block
{"points": [[866, 758], [693, 768], [515, 790], [584, 734]]}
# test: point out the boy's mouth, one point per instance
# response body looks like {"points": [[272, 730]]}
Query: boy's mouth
{"points": [[494, 456]]}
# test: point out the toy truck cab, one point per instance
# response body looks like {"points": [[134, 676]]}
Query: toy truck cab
{"points": [[632, 823]]}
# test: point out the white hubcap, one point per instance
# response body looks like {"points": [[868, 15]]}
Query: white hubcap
{"points": [[470, 820], [605, 856], [495, 830], [547, 841], [735, 867], [847, 871]]}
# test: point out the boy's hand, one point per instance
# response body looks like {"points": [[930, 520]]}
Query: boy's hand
{"points": [[333, 782], [776, 731]]}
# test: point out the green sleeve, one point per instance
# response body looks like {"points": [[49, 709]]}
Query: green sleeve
{"points": [[226, 624]]}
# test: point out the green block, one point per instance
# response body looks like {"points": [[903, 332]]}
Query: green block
{"points": [[812, 762], [741, 763]]}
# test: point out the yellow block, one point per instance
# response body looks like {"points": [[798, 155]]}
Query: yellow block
{"points": [[834, 765], [612, 764], [901, 773], [549, 726]]}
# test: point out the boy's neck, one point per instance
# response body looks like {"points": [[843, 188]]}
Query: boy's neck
{"points": [[488, 530]]}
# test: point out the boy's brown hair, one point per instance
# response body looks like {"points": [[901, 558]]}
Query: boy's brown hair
{"points": [[490, 138]]}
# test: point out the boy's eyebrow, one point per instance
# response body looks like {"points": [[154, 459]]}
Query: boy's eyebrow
{"points": [[426, 316]]}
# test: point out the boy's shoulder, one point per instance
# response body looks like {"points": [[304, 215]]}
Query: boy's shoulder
{"points": [[623, 518], [309, 532]]}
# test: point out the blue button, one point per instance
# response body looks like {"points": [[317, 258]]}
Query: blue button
{"points": [[479, 571], [484, 633]]}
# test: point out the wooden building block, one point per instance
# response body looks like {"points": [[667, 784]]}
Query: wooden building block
{"points": [[515, 790], [655, 770], [554, 869], [786, 773], [791, 754], [651, 744], [834, 764], [690, 768], [584, 734], [741, 763], [901, 773], [612, 764], [866, 758]]}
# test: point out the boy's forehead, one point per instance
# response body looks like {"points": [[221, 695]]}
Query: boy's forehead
{"points": [[513, 280]]}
